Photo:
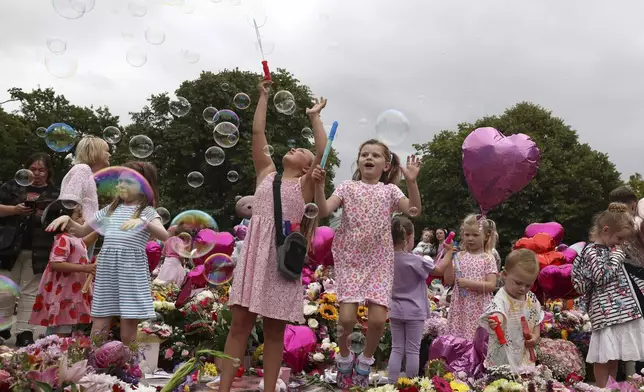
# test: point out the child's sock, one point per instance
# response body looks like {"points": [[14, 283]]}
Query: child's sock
{"points": [[364, 364], [345, 364]]}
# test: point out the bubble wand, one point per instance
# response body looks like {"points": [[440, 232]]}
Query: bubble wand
{"points": [[327, 149], [267, 72], [457, 264]]}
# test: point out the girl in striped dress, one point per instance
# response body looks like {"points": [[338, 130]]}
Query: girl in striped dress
{"points": [[612, 298], [122, 286]]}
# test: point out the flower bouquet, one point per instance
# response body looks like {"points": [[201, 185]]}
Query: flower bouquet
{"points": [[562, 357]]}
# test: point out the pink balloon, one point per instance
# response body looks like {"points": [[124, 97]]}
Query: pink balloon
{"points": [[153, 250], [196, 276], [299, 342], [555, 282], [224, 243], [570, 254], [553, 229], [496, 166], [320, 253], [578, 246]]}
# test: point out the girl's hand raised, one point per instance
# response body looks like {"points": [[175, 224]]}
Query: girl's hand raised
{"points": [[412, 169], [317, 107], [264, 88], [59, 223], [318, 175]]}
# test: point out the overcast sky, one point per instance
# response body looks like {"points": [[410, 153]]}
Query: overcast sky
{"points": [[440, 62]]}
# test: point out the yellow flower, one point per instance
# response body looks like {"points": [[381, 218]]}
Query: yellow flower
{"points": [[362, 312], [210, 369], [328, 298], [258, 353], [458, 386], [328, 312], [448, 376], [404, 382], [564, 334]]}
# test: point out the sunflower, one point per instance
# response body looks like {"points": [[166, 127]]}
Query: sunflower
{"points": [[328, 298], [362, 312], [328, 312], [404, 382]]}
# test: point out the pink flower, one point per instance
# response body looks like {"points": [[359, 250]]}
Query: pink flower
{"points": [[72, 374], [48, 376], [168, 353], [4, 376]]}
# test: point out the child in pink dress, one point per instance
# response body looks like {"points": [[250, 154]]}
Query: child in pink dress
{"points": [[172, 270], [258, 288], [60, 303], [475, 273], [363, 249]]}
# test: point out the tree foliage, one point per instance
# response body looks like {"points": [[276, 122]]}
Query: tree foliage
{"points": [[571, 185], [180, 143], [636, 183]]}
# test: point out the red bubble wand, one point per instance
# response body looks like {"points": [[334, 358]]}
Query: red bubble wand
{"points": [[267, 72]]}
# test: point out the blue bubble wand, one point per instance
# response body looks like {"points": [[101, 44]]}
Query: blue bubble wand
{"points": [[327, 149]]}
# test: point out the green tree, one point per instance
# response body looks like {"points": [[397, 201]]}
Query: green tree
{"points": [[180, 143], [572, 184], [636, 183], [41, 108]]}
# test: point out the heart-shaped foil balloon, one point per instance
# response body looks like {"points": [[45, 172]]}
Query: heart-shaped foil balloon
{"points": [[496, 166]]}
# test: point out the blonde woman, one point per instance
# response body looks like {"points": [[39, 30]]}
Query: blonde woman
{"points": [[92, 154]]}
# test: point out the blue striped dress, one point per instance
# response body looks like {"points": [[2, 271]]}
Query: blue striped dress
{"points": [[122, 286]]}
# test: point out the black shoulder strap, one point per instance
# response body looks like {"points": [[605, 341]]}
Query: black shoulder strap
{"points": [[277, 208]]}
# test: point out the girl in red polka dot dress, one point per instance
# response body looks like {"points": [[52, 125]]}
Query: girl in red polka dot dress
{"points": [[60, 303]]}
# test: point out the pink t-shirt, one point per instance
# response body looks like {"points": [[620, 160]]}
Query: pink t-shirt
{"points": [[79, 186]]}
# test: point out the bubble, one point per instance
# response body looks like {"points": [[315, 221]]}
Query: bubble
{"points": [[339, 330], [311, 210], [363, 122], [137, 8], [284, 101], [41, 132], [60, 137], [236, 362], [291, 143], [356, 342], [61, 66], [225, 128], [70, 9], [164, 214], [268, 150], [291, 111], [241, 101], [226, 141], [256, 17], [218, 269], [237, 198], [9, 293], [208, 114], [56, 45], [197, 239], [392, 127], [307, 133], [195, 179], [112, 135], [141, 146], [24, 177], [136, 57], [267, 47], [413, 211], [155, 35], [225, 86], [215, 156], [69, 204], [232, 176], [227, 115], [190, 57], [119, 181], [179, 106]]}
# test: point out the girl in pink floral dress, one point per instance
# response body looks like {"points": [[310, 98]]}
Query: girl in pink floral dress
{"points": [[258, 288], [363, 248], [60, 303]]}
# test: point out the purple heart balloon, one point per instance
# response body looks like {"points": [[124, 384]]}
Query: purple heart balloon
{"points": [[496, 166]]}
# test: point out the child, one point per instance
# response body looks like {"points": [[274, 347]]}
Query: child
{"points": [[425, 247], [60, 304], [613, 300], [477, 273], [122, 286], [409, 306], [363, 249], [513, 306], [172, 269], [258, 288]]}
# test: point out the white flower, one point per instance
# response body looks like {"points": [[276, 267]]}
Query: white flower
{"points": [[313, 323], [326, 340], [310, 309], [318, 357], [315, 286], [206, 294], [426, 385], [587, 327], [325, 346]]}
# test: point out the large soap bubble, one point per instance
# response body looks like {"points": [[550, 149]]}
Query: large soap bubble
{"points": [[60, 137], [392, 127], [141, 146]]}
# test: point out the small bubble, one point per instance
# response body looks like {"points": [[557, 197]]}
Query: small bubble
{"points": [[413, 211], [195, 179], [307, 133], [356, 342], [41, 132], [268, 150], [232, 176], [291, 143], [311, 210]]}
